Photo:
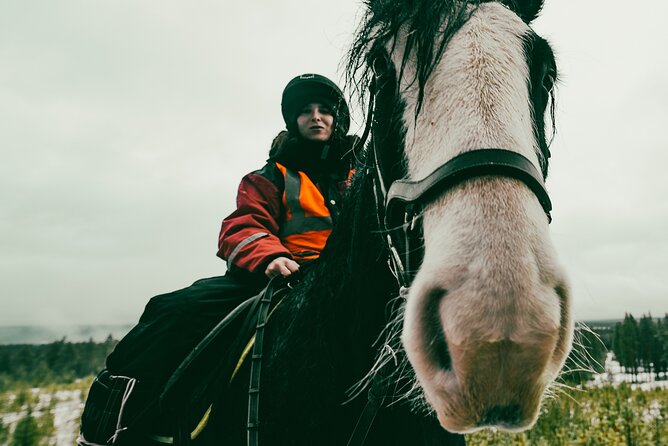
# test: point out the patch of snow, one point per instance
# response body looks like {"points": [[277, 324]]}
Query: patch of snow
{"points": [[66, 410], [614, 374], [652, 412], [66, 415]]}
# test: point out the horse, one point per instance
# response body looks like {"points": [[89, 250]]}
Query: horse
{"points": [[439, 291]]}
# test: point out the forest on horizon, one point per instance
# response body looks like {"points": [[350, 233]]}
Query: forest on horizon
{"points": [[639, 345]]}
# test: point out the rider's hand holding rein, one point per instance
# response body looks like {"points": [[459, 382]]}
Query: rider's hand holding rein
{"points": [[283, 266]]}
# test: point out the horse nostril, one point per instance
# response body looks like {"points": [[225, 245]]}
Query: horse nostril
{"points": [[438, 346], [510, 415]]}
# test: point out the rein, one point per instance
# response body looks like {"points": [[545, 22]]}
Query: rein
{"points": [[274, 287]]}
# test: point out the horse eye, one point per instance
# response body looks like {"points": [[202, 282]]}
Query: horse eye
{"points": [[379, 65], [548, 81]]}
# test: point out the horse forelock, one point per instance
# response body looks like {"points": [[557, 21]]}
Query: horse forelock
{"points": [[429, 25], [416, 35]]}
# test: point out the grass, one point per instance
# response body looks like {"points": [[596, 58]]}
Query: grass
{"points": [[606, 416]]}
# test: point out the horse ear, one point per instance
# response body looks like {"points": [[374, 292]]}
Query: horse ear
{"points": [[528, 10]]}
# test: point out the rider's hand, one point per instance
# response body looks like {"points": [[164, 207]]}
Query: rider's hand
{"points": [[283, 266]]}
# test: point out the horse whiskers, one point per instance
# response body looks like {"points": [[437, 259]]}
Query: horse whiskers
{"points": [[392, 365], [388, 338], [580, 356], [555, 390], [410, 390], [578, 341], [356, 389], [419, 215]]}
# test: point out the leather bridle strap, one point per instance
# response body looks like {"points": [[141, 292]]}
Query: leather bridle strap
{"points": [[405, 200], [476, 163], [272, 289]]}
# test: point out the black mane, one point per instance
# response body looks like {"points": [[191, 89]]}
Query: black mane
{"points": [[349, 287]]}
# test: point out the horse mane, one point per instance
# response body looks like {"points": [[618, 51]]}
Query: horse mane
{"points": [[342, 289]]}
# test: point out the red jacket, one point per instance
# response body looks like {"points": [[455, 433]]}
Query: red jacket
{"points": [[287, 208], [265, 224]]}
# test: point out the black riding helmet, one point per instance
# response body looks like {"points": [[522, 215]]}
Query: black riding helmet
{"points": [[308, 88]]}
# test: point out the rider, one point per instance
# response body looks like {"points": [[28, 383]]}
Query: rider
{"points": [[285, 213]]}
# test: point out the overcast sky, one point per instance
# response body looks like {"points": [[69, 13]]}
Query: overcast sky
{"points": [[126, 125]]}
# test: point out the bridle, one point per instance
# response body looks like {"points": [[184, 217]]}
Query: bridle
{"points": [[400, 201], [406, 199]]}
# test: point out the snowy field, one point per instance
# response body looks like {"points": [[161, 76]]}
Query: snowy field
{"points": [[614, 374], [65, 406]]}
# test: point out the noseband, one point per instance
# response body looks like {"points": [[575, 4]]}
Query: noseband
{"points": [[405, 200], [401, 204]]}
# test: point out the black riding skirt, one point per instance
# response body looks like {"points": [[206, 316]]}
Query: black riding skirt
{"points": [[174, 323]]}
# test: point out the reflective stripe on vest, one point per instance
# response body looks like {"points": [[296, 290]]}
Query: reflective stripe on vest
{"points": [[241, 244], [304, 204]]}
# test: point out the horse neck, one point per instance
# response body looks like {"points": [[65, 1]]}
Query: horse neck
{"points": [[324, 332]]}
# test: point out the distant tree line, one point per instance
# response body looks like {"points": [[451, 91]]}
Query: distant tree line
{"points": [[55, 363], [642, 345], [639, 345]]}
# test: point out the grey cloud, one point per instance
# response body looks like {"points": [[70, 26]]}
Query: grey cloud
{"points": [[126, 126]]}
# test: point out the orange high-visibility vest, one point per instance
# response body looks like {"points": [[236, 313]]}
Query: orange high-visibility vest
{"points": [[307, 222]]}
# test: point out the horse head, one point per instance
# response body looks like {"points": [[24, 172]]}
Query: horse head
{"points": [[487, 323]]}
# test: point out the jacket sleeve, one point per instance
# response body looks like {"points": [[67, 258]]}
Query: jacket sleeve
{"points": [[248, 237]]}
